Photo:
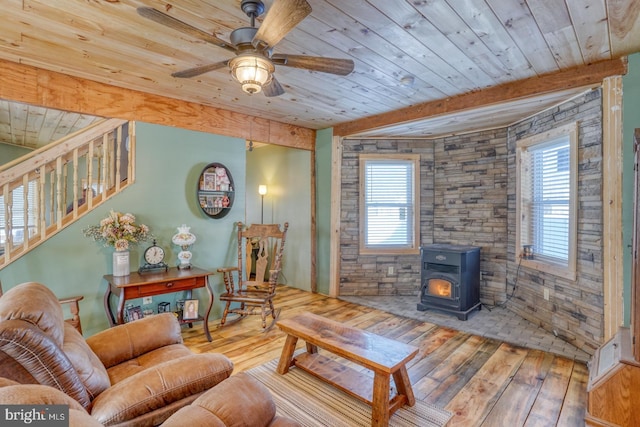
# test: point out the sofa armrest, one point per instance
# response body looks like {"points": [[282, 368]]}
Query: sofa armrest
{"points": [[36, 394], [125, 342], [160, 386]]}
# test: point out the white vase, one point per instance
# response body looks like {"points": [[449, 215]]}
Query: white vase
{"points": [[121, 263]]}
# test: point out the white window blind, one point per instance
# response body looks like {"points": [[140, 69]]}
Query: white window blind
{"points": [[17, 213], [389, 203], [547, 199]]}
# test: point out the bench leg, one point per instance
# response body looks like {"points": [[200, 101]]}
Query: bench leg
{"points": [[380, 404], [403, 384], [287, 354]]}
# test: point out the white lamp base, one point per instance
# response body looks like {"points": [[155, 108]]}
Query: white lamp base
{"points": [[185, 260]]}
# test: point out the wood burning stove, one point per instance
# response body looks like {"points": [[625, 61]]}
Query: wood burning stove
{"points": [[450, 279]]}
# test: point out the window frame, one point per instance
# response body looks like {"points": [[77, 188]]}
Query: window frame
{"points": [[541, 263], [414, 246], [19, 204]]}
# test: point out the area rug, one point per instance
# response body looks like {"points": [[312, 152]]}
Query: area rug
{"points": [[313, 403]]}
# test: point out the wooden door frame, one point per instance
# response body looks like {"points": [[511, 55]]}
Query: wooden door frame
{"points": [[336, 184], [635, 261], [613, 265]]}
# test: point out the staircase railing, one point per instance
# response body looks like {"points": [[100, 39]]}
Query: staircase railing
{"points": [[50, 188]]}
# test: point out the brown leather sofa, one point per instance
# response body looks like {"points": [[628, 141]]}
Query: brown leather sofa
{"points": [[239, 401], [136, 374]]}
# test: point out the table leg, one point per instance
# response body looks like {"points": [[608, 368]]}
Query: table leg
{"points": [[107, 308], [380, 404], [312, 348], [120, 314], [403, 384], [206, 316], [287, 354]]}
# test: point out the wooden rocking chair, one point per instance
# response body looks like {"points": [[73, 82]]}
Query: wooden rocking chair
{"points": [[260, 248]]}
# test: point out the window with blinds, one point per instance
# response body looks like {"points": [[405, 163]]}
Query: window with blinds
{"points": [[549, 193], [17, 214], [389, 203], [546, 197]]}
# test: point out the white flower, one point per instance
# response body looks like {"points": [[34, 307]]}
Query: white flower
{"points": [[118, 230]]}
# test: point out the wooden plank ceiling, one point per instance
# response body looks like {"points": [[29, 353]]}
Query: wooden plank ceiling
{"points": [[32, 127], [407, 54]]}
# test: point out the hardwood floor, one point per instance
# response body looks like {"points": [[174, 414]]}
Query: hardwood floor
{"points": [[482, 381]]}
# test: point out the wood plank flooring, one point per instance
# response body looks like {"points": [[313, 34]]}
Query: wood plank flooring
{"points": [[482, 381]]}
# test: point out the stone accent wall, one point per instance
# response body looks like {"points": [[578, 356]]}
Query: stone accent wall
{"points": [[368, 274], [463, 199], [468, 185], [471, 202], [575, 309]]}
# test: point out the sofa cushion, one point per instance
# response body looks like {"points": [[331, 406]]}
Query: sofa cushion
{"points": [[36, 304], [194, 415], [38, 355], [156, 357], [159, 386], [90, 369], [124, 342], [221, 405]]}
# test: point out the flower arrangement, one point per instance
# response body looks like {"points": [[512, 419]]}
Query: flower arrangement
{"points": [[118, 230]]}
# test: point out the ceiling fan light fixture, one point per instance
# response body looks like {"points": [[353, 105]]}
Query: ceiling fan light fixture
{"points": [[251, 71]]}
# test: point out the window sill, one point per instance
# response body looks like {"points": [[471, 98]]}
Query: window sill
{"points": [[549, 267], [387, 251]]}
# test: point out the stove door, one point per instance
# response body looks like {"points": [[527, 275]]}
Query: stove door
{"points": [[440, 288]]}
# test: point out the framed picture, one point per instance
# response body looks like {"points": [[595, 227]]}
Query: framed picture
{"points": [[190, 309], [209, 181], [163, 307], [134, 313]]}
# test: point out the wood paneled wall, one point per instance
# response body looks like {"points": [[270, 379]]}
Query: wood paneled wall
{"points": [[37, 86]]}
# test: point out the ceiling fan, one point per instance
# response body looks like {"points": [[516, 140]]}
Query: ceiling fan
{"points": [[254, 64]]}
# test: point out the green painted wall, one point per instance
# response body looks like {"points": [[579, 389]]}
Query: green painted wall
{"points": [[323, 208], [169, 162], [630, 121], [287, 174], [9, 152]]}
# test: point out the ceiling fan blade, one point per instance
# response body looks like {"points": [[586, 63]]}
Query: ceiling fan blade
{"points": [[282, 17], [196, 71], [274, 88], [171, 22], [341, 67]]}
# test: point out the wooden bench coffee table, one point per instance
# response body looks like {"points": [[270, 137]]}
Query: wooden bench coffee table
{"points": [[385, 357]]}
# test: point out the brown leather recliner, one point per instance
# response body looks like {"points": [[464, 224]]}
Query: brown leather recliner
{"points": [[136, 374], [239, 401]]}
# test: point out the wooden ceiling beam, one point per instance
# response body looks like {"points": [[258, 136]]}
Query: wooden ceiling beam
{"points": [[37, 86], [592, 74]]}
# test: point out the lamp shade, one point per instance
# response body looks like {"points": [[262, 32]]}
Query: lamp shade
{"points": [[184, 237], [262, 189], [251, 71]]}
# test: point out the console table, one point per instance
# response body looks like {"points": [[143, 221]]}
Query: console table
{"points": [[138, 285]]}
